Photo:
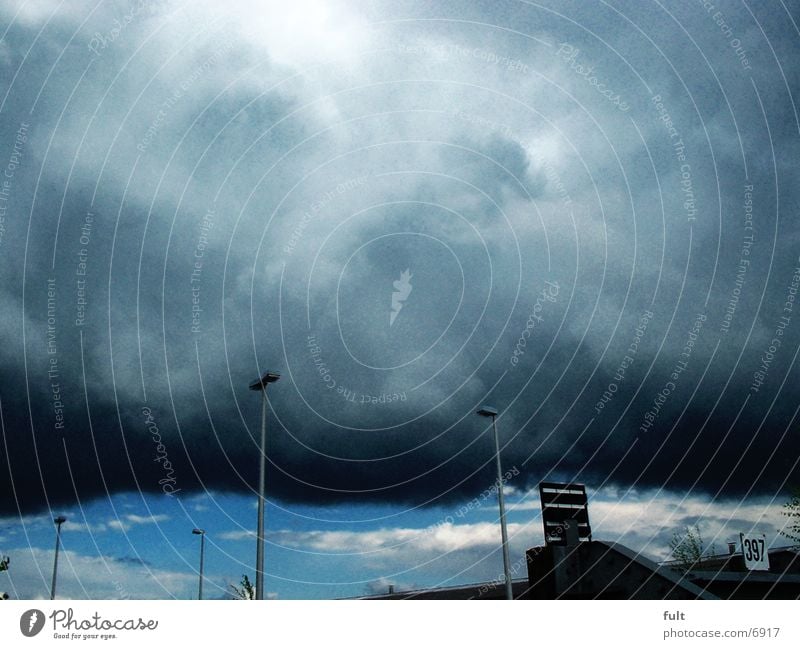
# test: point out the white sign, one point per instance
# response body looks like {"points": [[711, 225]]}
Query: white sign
{"points": [[754, 551]]}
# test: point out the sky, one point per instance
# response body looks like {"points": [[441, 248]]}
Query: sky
{"points": [[580, 213]]}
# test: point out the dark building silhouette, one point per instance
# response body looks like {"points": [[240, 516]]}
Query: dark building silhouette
{"points": [[573, 566]]}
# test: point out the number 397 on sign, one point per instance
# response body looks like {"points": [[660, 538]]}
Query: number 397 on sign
{"points": [[754, 551]]}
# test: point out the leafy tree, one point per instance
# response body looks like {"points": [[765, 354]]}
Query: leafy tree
{"points": [[791, 509], [245, 589], [688, 547], [4, 561]]}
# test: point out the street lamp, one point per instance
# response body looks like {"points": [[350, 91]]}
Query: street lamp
{"points": [[58, 520], [261, 384], [202, 534], [486, 411]]}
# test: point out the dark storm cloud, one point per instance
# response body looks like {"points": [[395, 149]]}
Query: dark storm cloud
{"points": [[230, 200]]}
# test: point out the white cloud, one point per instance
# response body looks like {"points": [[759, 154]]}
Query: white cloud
{"points": [[236, 535], [129, 520], [92, 528], [91, 577], [29, 12], [438, 539], [35, 523]]}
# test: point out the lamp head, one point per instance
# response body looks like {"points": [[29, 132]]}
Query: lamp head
{"points": [[60, 519], [487, 411], [197, 530], [261, 384]]}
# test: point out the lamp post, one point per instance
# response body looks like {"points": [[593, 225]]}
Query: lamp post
{"points": [[58, 520], [261, 384], [486, 411], [202, 534]]}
